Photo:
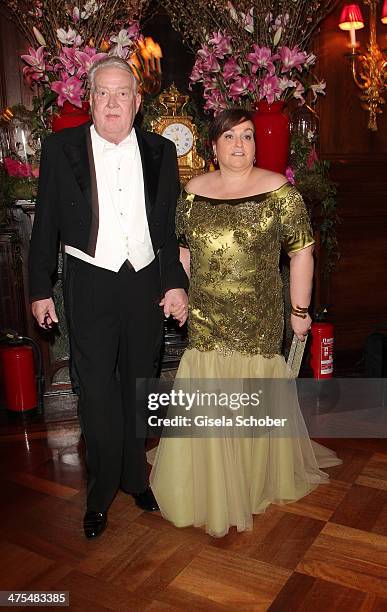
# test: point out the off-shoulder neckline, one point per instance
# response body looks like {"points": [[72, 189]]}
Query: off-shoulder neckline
{"points": [[261, 196]]}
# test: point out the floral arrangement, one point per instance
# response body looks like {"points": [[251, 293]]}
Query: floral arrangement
{"points": [[67, 37], [265, 73], [249, 51], [21, 131]]}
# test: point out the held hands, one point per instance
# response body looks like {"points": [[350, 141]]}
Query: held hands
{"points": [[300, 326], [175, 303], [44, 313]]}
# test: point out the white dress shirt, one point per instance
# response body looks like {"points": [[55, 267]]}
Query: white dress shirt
{"points": [[123, 231]]}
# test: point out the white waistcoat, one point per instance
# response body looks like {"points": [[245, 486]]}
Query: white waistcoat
{"points": [[123, 231]]}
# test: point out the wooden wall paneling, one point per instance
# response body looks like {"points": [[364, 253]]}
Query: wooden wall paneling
{"points": [[3, 94], [357, 287], [12, 312], [12, 45]]}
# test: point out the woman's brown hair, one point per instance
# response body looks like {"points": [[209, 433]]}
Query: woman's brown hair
{"points": [[226, 120]]}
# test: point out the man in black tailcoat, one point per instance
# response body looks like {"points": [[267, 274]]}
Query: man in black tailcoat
{"points": [[107, 192]]}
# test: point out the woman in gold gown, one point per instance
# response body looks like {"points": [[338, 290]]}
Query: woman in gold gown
{"points": [[232, 224]]}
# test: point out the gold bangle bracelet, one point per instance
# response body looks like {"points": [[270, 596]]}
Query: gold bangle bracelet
{"points": [[300, 309], [299, 314]]}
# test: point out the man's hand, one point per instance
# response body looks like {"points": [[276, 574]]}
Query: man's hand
{"points": [[44, 312], [175, 303]]}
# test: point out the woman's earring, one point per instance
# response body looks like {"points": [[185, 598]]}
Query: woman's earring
{"points": [[214, 157], [254, 160]]}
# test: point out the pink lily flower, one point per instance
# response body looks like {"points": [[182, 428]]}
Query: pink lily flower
{"points": [[248, 21], [310, 60], [210, 83], [262, 58], [215, 102], [231, 69], [221, 44], [133, 30], [27, 75], [71, 37], [70, 89], [68, 59], [31, 76], [291, 58], [211, 64], [289, 173], [86, 59], [285, 83], [300, 89], [197, 71], [240, 86], [269, 88], [233, 13], [318, 88], [312, 158], [209, 61], [75, 14], [35, 59]]}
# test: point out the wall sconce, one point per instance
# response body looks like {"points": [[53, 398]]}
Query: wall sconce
{"points": [[369, 70]]}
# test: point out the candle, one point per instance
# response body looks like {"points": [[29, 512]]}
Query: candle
{"points": [[149, 45], [158, 55], [352, 36], [145, 56]]}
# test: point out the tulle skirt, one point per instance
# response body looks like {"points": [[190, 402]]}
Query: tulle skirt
{"points": [[219, 482]]}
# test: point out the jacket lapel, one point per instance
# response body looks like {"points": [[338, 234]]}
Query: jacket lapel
{"points": [[80, 157], [150, 159]]}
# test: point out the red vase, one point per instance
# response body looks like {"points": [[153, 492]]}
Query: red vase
{"points": [[272, 136], [70, 116]]}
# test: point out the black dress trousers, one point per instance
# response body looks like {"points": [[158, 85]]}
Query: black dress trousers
{"points": [[114, 320]]}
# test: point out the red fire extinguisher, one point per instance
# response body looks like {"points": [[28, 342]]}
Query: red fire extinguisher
{"points": [[321, 350], [23, 388]]}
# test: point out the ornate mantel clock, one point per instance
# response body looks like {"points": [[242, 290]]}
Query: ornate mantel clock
{"points": [[174, 124]]}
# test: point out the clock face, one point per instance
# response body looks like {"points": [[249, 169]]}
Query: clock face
{"points": [[181, 135]]}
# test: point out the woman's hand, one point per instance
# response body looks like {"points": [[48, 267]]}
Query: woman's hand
{"points": [[300, 326], [175, 303]]}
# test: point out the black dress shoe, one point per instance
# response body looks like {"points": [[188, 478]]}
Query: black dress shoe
{"points": [[94, 523], [146, 500]]}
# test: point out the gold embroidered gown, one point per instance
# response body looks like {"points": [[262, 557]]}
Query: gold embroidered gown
{"points": [[235, 332]]}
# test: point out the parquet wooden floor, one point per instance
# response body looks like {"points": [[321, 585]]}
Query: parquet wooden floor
{"points": [[325, 552]]}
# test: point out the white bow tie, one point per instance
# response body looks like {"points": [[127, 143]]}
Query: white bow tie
{"points": [[122, 146]]}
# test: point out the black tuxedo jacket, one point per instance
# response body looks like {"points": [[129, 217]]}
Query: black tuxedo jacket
{"points": [[67, 205]]}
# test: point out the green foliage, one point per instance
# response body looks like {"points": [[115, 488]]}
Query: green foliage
{"points": [[320, 194], [38, 119]]}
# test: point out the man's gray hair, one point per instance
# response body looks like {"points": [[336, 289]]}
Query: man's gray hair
{"points": [[110, 62]]}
